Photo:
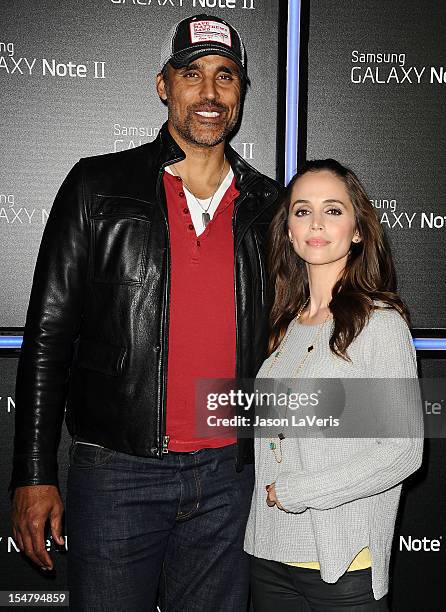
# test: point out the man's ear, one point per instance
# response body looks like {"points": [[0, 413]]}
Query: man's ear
{"points": [[161, 87]]}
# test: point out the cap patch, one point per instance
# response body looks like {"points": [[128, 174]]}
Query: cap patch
{"points": [[210, 31]]}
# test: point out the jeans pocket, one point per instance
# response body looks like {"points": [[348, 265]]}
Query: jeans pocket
{"points": [[85, 455]]}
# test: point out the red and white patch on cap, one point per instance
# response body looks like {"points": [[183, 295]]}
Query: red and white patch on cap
{"points": [[210, 31]]}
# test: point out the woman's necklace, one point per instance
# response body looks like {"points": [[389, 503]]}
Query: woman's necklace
{"points": [[205, 216], [281, 436]]}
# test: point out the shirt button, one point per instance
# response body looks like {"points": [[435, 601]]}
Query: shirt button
{"points": [[178, 178], [181, 194], [185, 210], [198, 243], [191, 227]]}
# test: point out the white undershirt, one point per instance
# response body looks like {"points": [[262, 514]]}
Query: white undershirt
{"points": [[194, 208]]}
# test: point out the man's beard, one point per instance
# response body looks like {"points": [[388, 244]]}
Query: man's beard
{"points": [[187, 128]]}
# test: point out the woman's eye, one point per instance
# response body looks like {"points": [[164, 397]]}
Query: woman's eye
{"points": [[301, 212], [334, 211]]}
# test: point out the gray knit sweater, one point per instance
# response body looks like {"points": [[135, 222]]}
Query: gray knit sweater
{"points": [[342, 494]]}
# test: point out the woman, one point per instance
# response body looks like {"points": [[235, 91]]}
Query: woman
{"points": [[323, 511]]}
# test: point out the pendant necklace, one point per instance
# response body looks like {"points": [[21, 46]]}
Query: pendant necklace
{"points": [[281, 436], [205, 216]]}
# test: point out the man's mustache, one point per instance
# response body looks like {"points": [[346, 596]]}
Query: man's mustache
{"points": [[209, 108]]}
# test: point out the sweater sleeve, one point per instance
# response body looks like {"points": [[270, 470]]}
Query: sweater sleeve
{"points": [[387, 351]]}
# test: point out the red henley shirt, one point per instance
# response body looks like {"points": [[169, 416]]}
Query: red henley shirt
{"points": [[202, 333]]}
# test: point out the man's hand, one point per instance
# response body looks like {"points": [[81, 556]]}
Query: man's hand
{"points": [[32, 506], [271, 499]]}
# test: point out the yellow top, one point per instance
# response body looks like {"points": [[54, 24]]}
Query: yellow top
{"points": [[362, 560]]}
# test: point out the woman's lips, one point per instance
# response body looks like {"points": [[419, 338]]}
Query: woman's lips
{"points": [[317, 242]]}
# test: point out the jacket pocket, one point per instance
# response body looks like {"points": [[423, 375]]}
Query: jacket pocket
{"points": [[101, 357], [120, 229]]}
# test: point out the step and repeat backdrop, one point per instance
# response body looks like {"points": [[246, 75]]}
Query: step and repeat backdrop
{"points": [[78, 79], [376, 102]]}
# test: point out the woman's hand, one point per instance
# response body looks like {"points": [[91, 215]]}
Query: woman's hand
{"points": [[271, 498]]}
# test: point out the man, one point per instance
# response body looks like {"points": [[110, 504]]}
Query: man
{"points": [[150, 275]]}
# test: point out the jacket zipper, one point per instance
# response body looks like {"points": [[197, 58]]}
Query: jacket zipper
{"points": [[234, 219], [237, 344], [262, 279], [163, 339]]}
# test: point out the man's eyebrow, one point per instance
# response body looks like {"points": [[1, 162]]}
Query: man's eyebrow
{"points": [[193, 66], [228, 69], [200, 66]]}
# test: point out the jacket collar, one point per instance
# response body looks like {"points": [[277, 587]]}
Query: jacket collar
{"points": [[170, 150], [245, 175], [248, 181]]}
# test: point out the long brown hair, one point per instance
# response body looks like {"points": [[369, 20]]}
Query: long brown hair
{"points": [[369, 273]]}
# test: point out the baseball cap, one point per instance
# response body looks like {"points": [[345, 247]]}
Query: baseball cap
{"points": [[201, 35]]}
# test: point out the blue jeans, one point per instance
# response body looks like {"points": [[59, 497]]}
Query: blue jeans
{"points": [[140, 528]]}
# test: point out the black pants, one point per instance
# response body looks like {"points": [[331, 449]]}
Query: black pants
{"points": [[277, 587]]}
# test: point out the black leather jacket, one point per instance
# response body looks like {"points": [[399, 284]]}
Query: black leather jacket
{"points": [[96, 332]]}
